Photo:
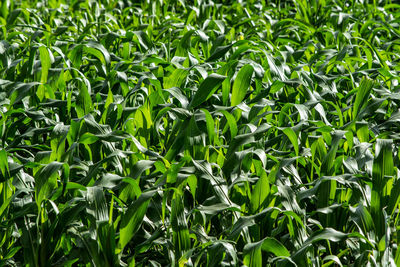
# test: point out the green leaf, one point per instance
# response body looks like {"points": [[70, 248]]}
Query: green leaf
{"points": [[19, 91], [84, 103], [46, 181], [260, 193], [231, 123], [268, 244], [382, 170], [179, 225], [4, 163], [394, 197], [241, 84], [176, 92], [46, 63], [98, 51], [363, 218], [363, 93], [192, 182], [219, 52], [133, 218], [209, 125], [293, 139], [176, 78], [206, 89]]}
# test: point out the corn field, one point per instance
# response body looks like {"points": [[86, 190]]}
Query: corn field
{"points": [[199, 133]]}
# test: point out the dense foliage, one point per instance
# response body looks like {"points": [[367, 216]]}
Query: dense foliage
{"points": [[172, 133]]}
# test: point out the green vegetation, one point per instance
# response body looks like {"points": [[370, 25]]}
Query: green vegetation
{"points": [[174, 133]]}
